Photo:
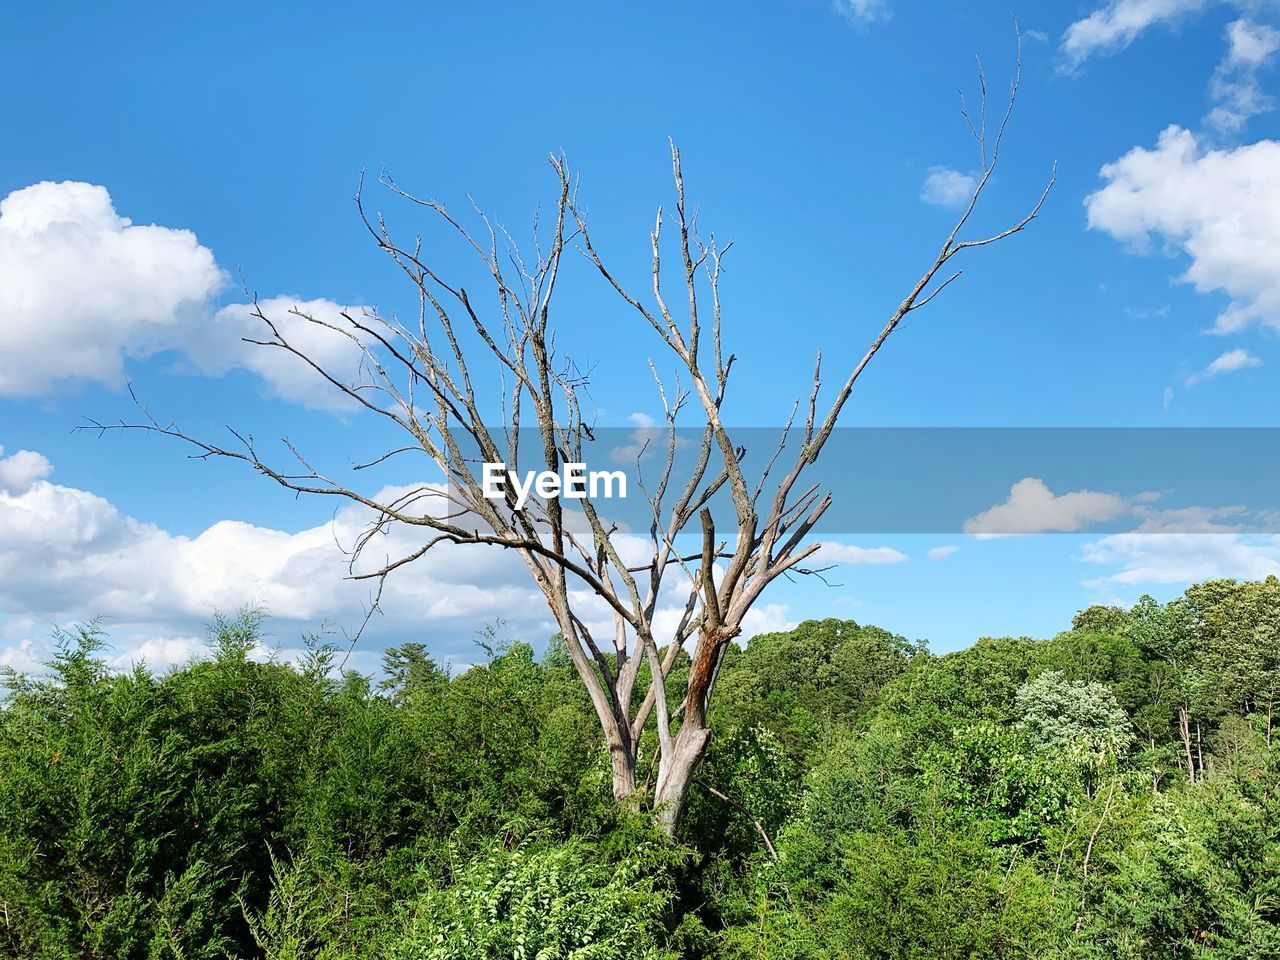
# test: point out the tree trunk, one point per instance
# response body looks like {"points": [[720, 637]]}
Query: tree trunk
{"points": [[676, 775], [1184, 728], [675, 772], [624, 772], [1199, 753]]}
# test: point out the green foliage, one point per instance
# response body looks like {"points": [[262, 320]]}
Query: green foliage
{"points": [[1073, 716], [146, 816], [410, 672], [542, 902], [806, 683], [1111, 792], [920, 894]]}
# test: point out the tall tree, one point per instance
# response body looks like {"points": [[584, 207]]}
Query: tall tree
{"points": [[425, 380], [1237, 632], [1163, 633]]}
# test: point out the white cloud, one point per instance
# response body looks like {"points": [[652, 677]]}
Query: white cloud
{"points": [[67, 555], [1166, 398], [161, 653], [84, 289], [1118, 24], [941, 553], [1033, 508], [767, 618], [218, 347], [25, 656], [647, 439], [1196, 520], [847, 553], [863, 11], [19, 471], [81, 287], [1250, 44], [1229, 362], [1235, 87], [1219, 208], [944, 187], [1145, 558]]}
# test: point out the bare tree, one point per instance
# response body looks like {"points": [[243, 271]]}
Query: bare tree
{"points": [[419, 377]]}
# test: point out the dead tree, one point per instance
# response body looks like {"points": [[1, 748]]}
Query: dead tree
{"points": [[423, 377]]}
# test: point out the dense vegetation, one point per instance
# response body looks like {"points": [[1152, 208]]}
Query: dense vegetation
{"points": [[1109, 792]]}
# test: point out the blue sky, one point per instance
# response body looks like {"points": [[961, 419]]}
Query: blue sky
{"points": [[1144, 296]]}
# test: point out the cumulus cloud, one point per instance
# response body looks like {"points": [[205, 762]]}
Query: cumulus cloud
{"points": [[768, 618], [1154, 558], [25, 656], [847, 553], [944, 187], [1235, 87], [20, 470], [863, 11], [941, 553], [1218, 208], [1116, 25], [1176, 545], [83, 289], [1229, 362], [219, 346], [67, 555], [1250, 44], [1033, 508], [161, 653]]}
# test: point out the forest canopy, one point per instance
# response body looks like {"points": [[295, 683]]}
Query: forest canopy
{"points": [[1108, 792]]}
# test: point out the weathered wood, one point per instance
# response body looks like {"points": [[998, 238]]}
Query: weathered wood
{"points": [[418, 378]]}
